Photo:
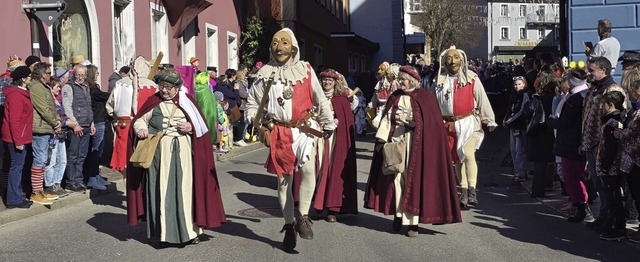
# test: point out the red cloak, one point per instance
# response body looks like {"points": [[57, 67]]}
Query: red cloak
{"points": [[430, 187], [337, 189], [207, 201]]}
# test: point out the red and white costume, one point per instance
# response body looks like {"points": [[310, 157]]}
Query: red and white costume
{"points": [[124, 103]]}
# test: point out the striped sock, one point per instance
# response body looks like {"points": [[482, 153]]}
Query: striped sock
{"points": [[37, 178]]}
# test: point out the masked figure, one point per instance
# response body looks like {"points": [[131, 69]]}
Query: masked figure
{"points": [[298, 113], [465, 107], [123, 104]]}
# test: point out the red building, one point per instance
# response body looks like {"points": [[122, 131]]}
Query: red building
{"points": [[110, 33]]}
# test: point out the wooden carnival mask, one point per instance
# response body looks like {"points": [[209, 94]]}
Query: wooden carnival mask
{"points": [[281, 47], [452, 61]]}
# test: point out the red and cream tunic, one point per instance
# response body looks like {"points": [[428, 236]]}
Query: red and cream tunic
{"points": [[469, 106], [291, 147], [122, 107]]}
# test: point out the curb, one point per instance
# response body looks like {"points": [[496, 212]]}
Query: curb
{"points": [[117, 184], [236, 151]]}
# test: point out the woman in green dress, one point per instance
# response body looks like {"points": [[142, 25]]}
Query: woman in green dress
{"points": [[178, 194]]}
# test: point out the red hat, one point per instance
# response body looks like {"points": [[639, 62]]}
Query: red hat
{"points": [[411, 71], [329, 74]]}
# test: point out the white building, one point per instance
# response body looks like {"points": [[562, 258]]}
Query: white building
{"points": [[520, 27]]}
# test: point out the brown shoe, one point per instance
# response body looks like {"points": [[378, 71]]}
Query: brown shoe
{"points": [[38, 197], [331, 217], [303, 226], [289, 241], [413, 231]]}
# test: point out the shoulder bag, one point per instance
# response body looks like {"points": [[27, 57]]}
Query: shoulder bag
{"points": [[146, 148]]}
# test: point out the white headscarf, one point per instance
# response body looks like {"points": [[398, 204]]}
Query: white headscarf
{"points": [[295, 71]]}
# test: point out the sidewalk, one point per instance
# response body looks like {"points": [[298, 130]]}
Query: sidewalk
{"points": [[554, 200], [117, 185]]}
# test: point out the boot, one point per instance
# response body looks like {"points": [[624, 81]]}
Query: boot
{"points": [[413, 231], [289, 241], [303, 226], [581, 213], [473, 197], [397, 224], [464, 198]]}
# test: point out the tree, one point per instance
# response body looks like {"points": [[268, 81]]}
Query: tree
{"points": [[447, 22], [256, 39]]}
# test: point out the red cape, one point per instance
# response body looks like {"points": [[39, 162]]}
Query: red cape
{"points": [[337, 191], [430, 188], [207, 201]]}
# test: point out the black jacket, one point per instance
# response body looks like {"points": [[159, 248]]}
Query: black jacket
{"points": [[569, 128], [98, 103], [540, 143], [516, 117], [608, 151]]}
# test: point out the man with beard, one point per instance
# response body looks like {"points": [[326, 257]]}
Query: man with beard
{"points": [[465, 108], [293, 92], [599, 75]]}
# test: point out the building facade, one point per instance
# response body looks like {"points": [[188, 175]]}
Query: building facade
{"points": [[323, 31], [583, 19], [522, 27], [110, 33], [380, 21]]}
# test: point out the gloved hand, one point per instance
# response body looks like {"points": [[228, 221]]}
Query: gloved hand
{"points": [[327, 133]]}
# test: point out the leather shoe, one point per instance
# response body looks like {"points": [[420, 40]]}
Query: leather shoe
{"points": [[413, 231], [303, 226], [24, 204], [331, 218], [75, 188], [289, 241]]}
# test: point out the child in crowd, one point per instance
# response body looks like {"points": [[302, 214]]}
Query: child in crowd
{"points": [[361, 120], [607, 164], [515, 120], [223, 124]]}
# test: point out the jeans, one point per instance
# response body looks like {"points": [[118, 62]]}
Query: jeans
{"points": [[517, 151], [76, 154], [14, 185], [40, 146], [559, 168], [54, 172], [603, 211], [97, 144]]}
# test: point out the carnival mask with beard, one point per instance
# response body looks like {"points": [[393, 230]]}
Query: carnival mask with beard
{"points": [[281, 47], [453, 61]]}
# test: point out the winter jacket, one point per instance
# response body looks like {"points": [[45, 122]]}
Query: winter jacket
{"points": [[18, 115], [45, 115], [98, 104], [516, 118], [607, 160], [569, 127]]}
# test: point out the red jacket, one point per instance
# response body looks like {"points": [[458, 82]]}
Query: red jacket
{"points": [[18, 116]]}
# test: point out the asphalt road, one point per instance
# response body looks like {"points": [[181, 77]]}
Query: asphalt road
{"points": [[508, 225]]}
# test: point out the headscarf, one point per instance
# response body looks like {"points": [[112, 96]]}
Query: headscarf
{"points": [[294, 71]]}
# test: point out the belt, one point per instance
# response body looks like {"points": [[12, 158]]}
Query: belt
{"points": [[456, 118], [122, 122], [301, 124]]}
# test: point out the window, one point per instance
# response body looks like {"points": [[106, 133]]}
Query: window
{"points": [[356, 58], [212, 45], [317, 56], [557, 32], [188, 43], [504, 33], [350, 62], [71, 33], [416, 5], [159, 32], [542, 10], [123, 37], [541, 33], [523, 10], [523, 32], [362, 64], [504, 10], [232, 48]]}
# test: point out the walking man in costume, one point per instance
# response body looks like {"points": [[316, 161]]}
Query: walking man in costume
{"points": [[124, 102], [465, 108], [293, 92]]}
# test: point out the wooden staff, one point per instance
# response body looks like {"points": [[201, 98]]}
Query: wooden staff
{"points": [[156, 64]]}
